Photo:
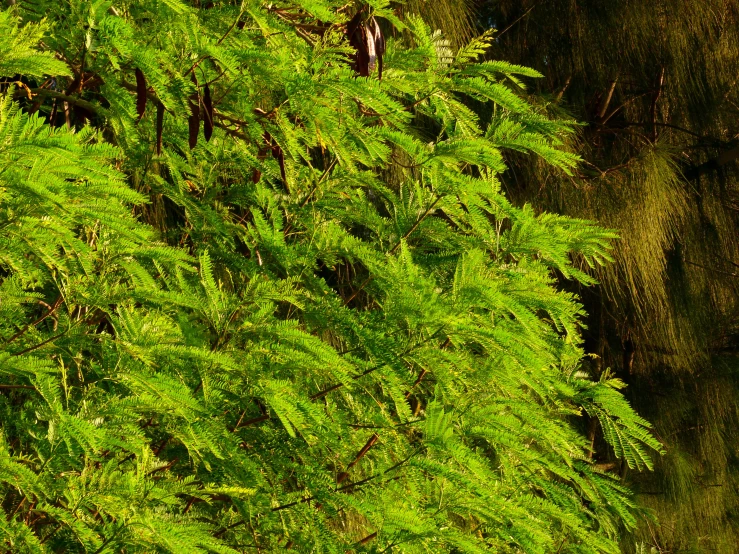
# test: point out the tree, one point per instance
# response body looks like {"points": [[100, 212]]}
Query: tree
{"points": [[653, 84], [252, 300]]}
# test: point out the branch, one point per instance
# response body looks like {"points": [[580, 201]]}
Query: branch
{"points": [[607, 99], [366, 448], [94, 108], [368, 538], [166, 467], [670, 126], [325, 174], [712, 165], [39, 345], [563, 89], [332, 388], [527, 12], [52, 309]]}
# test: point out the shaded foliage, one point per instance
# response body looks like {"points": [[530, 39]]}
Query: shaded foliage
{"points": [[654, 85]]}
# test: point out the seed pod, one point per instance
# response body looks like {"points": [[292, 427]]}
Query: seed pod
{"points": [[279, 155], [369, 40], [140, 93], [193, 122], [160, 125], [357, 33], [208, 121], [379, 46]]}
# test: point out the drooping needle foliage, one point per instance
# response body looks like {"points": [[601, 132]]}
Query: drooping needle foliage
{"points": [[252, 301], [654, 87]]}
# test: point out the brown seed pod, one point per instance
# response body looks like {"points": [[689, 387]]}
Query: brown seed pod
{"points": [[379, 40], [140, 93], [367, 39], [193, 123], [357, 34], [160, 125], [208, 121]]}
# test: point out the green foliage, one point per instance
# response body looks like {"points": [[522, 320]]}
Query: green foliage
{"points": [[324, 330], [18, 52]]}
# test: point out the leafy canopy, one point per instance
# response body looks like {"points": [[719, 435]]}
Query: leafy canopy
{"points": [[323, 330]]}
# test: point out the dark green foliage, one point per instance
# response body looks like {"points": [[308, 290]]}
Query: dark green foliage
{"points": [[324, 330], [654, 85]]}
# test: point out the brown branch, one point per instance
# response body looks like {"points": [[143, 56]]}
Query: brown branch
{"points": [[416, 382], [332, 388], [622, 106], [415, 225], [714, 164], [669, 126], [231, 28], [368, 538], [563, 89], [169, 466], [197, 63], [18, 507], [324, 392], [607, 99], [711, 269], [309, 498], [325, 174], [61, 96], [366, 448], [189, 504], [592, 430], [17, 387], [253, 421]]}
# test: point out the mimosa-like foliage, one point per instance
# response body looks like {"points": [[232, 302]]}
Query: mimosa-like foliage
{"points": [[323, 330]]}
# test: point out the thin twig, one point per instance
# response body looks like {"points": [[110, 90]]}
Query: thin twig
{"points": [[51, 309], [527, 12], [47, 341]]}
